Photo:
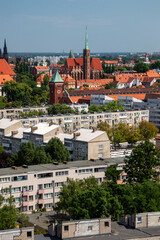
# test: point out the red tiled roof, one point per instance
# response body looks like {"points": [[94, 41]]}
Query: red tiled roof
{"points": [[41, 67], [152, 95], [95, 63], [111, 62], [5, 68], [5, 78]]}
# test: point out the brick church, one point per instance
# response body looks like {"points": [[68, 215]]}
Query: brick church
{"points": [[83, 68], [4, 55]]}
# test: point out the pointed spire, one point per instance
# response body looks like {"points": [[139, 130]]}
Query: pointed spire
{"points": [[86, 39], [5, 43]]}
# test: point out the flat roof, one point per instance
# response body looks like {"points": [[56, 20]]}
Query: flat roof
{"points": [[86, 135], [6, 122], [61, 166], [42, 128]]}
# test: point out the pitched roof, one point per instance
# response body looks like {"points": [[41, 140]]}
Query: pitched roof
{"points": [[5, 78], [41, 67], [56, 78], [5, 68], [95, 63]]}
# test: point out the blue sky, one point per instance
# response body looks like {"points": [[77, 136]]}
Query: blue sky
{"points": [[57, 25]]}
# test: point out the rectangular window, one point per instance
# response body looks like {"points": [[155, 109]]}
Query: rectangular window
{"points": [[17, 200], [16, 190], [89, 228], [48, 185], [61, 173], [100, 146], [100, 155], [29, 234], [30, 208], [31, 188], [88, 170], [58, 184], [139, 219], [48, 195], [66, 228], [7, 179], [45, 175], [48, 205], [19, 178], [31, 198], [106, 224]]}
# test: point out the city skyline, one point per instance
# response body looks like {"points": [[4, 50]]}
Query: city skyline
{"points": [[51, 26]]}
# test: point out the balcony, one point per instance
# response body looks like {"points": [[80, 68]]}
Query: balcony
{"points": [[25, 193], [25, 204], [40, 191], [40, 201]]}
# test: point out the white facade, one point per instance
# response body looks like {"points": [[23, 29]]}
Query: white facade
{"points": [[99, 100], [79, 107]]}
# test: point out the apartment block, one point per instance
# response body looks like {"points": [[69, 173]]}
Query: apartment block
{"points": [[74, 122], [81, 228], [88, 144], [37, 186], [17, 234], [142, 220]]}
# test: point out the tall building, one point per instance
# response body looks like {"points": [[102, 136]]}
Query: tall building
{"points": [[86, 59], [5, 52], [56, 86], [83, 68]]}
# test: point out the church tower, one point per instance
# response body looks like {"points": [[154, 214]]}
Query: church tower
{"points": [[0, 53], [5, 53], [86, 59], [56, 86]]}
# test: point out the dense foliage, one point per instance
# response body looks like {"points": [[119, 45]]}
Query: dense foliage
{"points": [[111, 106], [60, 109], [141, 164], [83, 199], [31, 155], [121, 132]]}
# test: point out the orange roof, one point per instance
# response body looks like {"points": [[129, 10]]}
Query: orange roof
{"points": [[111, 62], [5, 68], [5, 78], [67, 78], [75, 99], [95, 63], [139, 96], [152, 73], [94, 82], [41, 67]]}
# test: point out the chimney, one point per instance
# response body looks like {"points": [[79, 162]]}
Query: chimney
{"points": [[33, 129], [14, 132], [94, 130], [75, 135], [51, 123]]}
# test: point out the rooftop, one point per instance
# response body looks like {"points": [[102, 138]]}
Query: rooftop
{"points": [[86, 135], [60, 166], [42, 128], [6, 122]]}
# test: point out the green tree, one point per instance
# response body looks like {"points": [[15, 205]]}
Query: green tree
{"points": [[26, 154], [141, 67], [112, 173], [60, 108], [40, 156], [103, 126], [141, 164], [57, 150], [8, 216], [119, 133], [110, 85], [132, 134], [147, 130]]}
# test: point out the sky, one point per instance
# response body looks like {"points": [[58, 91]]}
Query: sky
{"points": [[59, 25]]}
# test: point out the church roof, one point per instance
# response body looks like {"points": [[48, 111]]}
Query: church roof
{"points": [[5, 68], [73, 62], [56, 78]]}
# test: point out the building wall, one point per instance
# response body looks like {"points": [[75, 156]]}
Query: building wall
{"points": [[83, 228], [17, 234]]}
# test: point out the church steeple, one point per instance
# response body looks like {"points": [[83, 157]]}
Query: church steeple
{"points": [[5, 52], [86, 40], [86, 59], [0, 53]]}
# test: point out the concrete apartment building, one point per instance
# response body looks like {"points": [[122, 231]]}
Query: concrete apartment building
{"points": [[83, 145], [38, 186], [88, 144], [17, 234], [81, 228], [74, 122]]}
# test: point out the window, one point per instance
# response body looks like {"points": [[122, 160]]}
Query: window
{"points": [[58, 184], [89, 170], [100, 146], [139, 219], [31, 198], [45, 175], [48, 205], [19, 178], [61, 173], [7, 179], [31, 188], [66, 228], [29, 234], [100, 155], [24, 189], [48, 185], [17, 200], [16, 190], [89, 228], [30, 208], [47, 195], [106, 224]]}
